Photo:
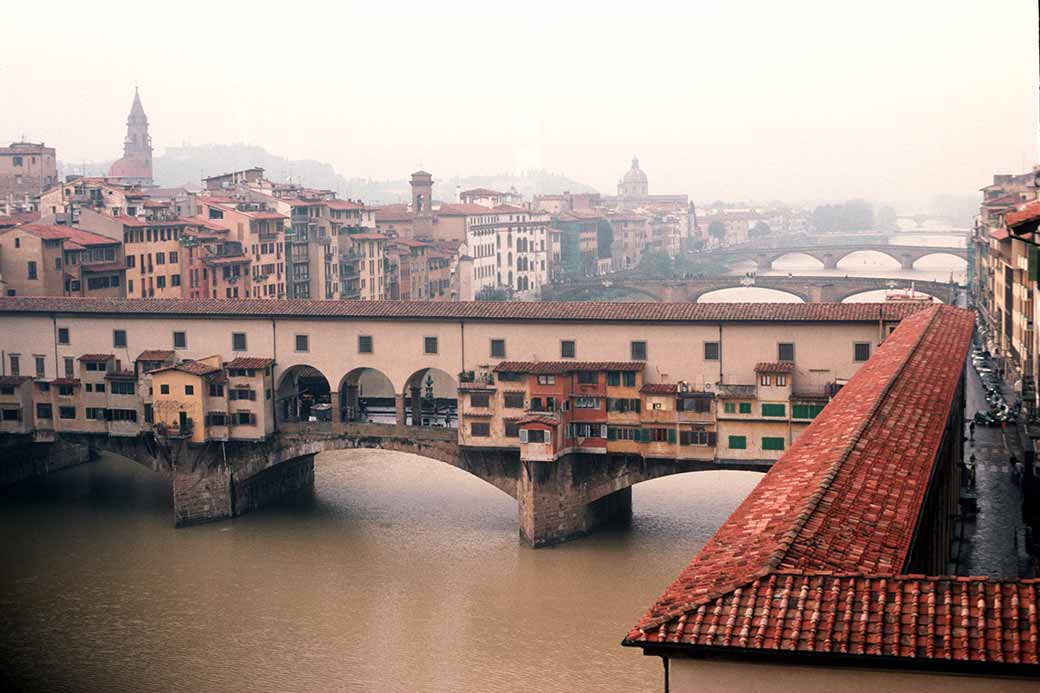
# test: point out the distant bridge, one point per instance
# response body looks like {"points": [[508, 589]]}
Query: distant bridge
{"points": [[830, 251], [809, 289]]}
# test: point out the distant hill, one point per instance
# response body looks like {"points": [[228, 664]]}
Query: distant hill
{"points": [[187, 165]]}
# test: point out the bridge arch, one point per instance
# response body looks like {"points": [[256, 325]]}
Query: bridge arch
{"points": [[302, 393], [366, 394], [945, 254], [431, 398], [900, 258], [771, 260], [763, 292]]}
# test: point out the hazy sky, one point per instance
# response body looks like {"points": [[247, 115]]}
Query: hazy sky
{"points": [[734, 100]]}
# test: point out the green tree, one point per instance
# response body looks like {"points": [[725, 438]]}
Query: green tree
{"points": [[717, 229]]}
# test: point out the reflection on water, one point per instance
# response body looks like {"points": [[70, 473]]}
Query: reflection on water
{"points": [[397, 574]]}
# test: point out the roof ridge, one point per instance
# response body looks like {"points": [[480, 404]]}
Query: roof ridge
{"points": [[813, 502], [776, 557]]}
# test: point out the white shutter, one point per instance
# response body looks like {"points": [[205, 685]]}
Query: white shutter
{"points": [[523, 435], [602, 430]]}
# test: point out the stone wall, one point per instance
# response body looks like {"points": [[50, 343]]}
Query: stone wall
{"points": [[21, 458]]}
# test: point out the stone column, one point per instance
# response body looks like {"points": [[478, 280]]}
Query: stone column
{"points": [[416, 406], [353, 403], [399, 410], [906, 262], [201, 495], [553, 499]]}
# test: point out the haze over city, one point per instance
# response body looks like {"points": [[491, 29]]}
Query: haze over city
{"points": [[895, 102]]}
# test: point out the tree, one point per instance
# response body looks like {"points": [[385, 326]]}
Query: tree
{"points": [[759, 230], [656, 263], [717, 229]]}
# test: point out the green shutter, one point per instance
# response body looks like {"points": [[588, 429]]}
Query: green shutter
{"points": [[772, 443], [745, 407], [800, 411], [729, 407], [737, 442], [611, 433], [774, 409], [671, 435]]}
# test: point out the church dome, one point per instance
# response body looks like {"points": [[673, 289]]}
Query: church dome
{"points": [[635, 174], [129, 167]]}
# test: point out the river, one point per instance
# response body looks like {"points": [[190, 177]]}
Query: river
{"points": [[397, 574]]}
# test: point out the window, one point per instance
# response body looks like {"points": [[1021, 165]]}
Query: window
{"points": [[806, 411], [509, 377], [567, 349], [479, 399], [765, 379], [238, 341], [588, 377], [216, 419], [547, 380], [96, 413], [697, 437], [11, 415], [745, 407], [711, 351], [785, 351], [861, 351], [429, 345], [67, 412], [622, 433], [737, 443], [6, 389], [772, 443], [63, 335], [40, 366], [180, 340], [701, 405], [781, 380], [364, 344], [639, 351], [512, 429], [536, 435], [119, 339], [189, 389], [164, 389], [122, 415], [100, 387], [43, 411], [624, 405], [774, 410], [65, 390], [216, 390], [32, 269], [513, 400], [613, 378], [160, 282], [480, 429], [729, 407], [586, 402], [498, 348], [629, 378], [302, 342], [16, 365], [244, 418], [70, 365], [122, 387]]}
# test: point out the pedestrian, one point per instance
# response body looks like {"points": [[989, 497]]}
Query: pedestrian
{"points": [[1020, 472], [971, 429], [971, 470]]}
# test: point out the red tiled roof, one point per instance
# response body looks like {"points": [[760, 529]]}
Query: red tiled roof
{"points": [[509, 209], [193, 367], [1027, 213], [546, 367], [546, 311], [1000, 234], [659, 389], [48, 232], [210, 224], [96, 357], [87, 238], [155, 355], [250, 362], [19, 218], [343, 204], [462, 210], [225, 259], [547, 419], [813, 559], [14, 379], [775, 367], [480, 192]]}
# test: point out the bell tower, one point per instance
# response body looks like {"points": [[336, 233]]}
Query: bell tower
{"points": [[422, 194], [138, 143]]}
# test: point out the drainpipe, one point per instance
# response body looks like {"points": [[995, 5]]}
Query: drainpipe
{"points": [[720, 357], [54, 324], [274, 381]]}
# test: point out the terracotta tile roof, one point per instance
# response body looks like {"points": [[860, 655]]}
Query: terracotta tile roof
{"points": [[547, 367], [480, 192], [87, 238], [193, 367], [462, 210], [96, 357], [19, 218], [775, 367], [510, 209], [547, 311], [254, 362], [1000, 234], [814, 558], [155, 355], [659, 389], [1025, 214], [343, 204], [46, 231], [14, 379]]}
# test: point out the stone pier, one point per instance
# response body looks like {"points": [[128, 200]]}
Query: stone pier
{"points": [[21, 458]]}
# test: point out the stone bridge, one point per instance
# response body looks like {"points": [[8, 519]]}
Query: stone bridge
{"points": [[831, 255], [809, 289], [556, 501]]}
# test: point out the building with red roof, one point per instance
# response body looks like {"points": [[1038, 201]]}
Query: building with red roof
{"points": [[838, 558]]}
